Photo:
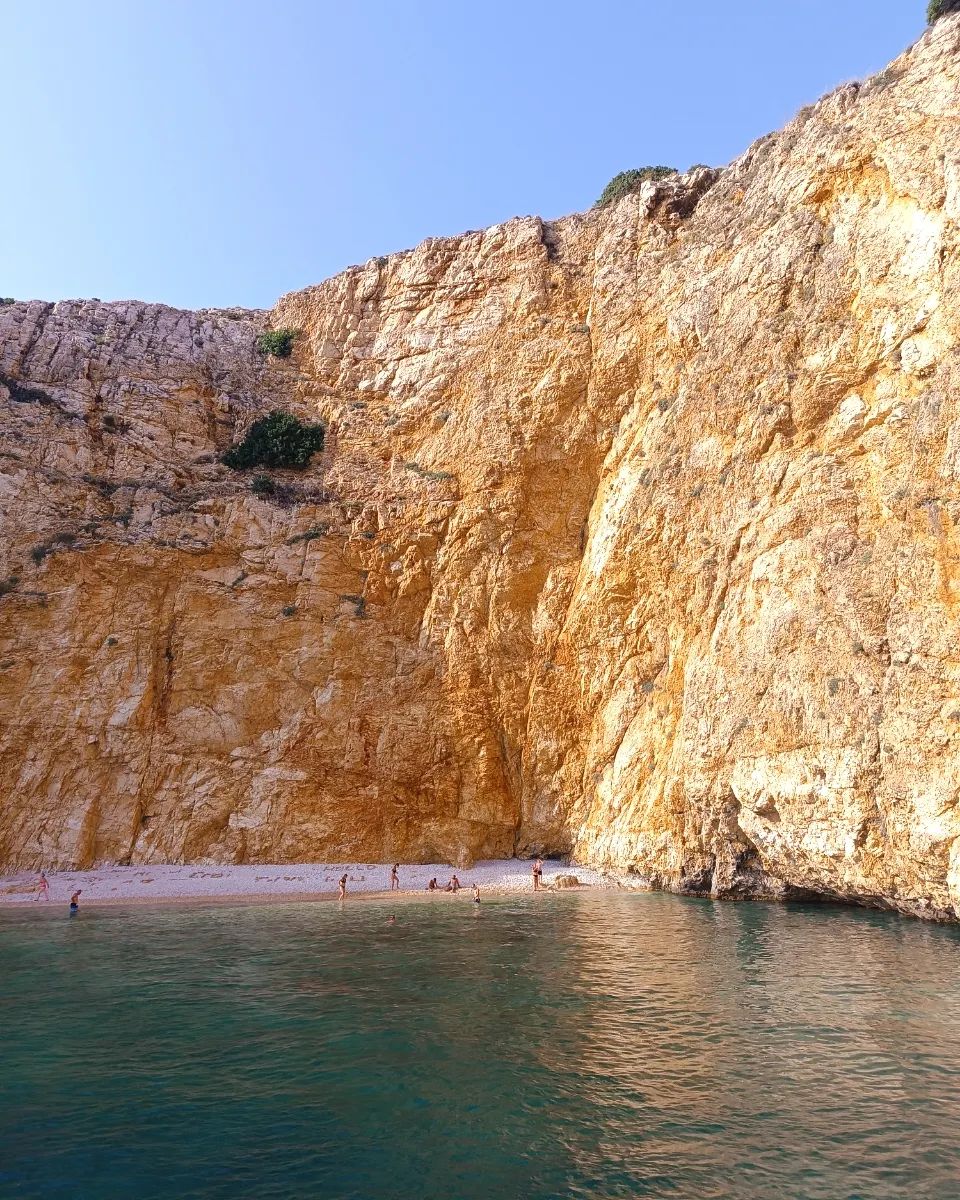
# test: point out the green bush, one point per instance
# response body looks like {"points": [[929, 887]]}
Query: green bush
{"points": [[278, 440], [263, 485], [278, 342], [628, 182], [7, 300], [939, 8], [318, 531]]}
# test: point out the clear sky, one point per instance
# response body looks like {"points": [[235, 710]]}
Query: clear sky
{"points": [[218, 152]]}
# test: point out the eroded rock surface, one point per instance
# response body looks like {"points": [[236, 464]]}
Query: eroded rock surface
{"points": [[634, 537]]}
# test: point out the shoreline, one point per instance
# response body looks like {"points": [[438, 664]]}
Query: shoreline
{"points": [[115, 886]]}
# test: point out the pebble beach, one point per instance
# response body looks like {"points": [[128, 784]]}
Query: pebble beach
{"points": [[266, 883]]}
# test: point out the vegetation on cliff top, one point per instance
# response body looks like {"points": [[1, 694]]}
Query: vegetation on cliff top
{"points": [[628, 182], [939, 8], [277, 440], [278, 342]]}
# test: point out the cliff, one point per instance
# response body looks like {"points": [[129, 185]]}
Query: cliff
{"points": [[634, 536]]}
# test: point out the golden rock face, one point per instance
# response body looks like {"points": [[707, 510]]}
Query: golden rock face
{"points": [[634, 536]]}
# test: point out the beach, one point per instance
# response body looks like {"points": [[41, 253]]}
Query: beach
{"points": [[269, 883]]}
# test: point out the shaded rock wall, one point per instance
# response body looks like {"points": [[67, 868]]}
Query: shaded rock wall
{"points": [[634, 536]]}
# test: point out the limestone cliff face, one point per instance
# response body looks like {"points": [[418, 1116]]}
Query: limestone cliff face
{"points": [[634, 537]]}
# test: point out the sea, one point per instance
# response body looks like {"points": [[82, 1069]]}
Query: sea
{"points": [[600, 1044]]}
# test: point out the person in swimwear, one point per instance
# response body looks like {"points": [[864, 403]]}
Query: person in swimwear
{"points": [[43, 887], [537, 874], [392, 919], [75, 901], [343, 888], [394, 878], [433, 886], [476, 893], [453, 885]]}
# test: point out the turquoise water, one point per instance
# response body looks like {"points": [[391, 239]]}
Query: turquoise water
{"points": [[583, 1045]]}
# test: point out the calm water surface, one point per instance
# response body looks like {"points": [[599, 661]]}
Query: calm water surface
{"points": [[583, 1046]]}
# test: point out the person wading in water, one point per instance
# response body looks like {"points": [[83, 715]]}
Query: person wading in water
{"points": [[75, 902]]}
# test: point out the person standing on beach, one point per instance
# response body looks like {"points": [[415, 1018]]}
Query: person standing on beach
{"points": [[75, 902], [537, 874], [43, 888], [394, 878], [343, 888]]}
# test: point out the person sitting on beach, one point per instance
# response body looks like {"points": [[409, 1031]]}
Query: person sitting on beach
{"points": [[432, 886], [43, 888], [453, 885], [343, 887], [394, 878], [75, 901]]}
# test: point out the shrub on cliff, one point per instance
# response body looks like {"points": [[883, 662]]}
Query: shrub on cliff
{"points": [[939, 8], [263, 485], [278, 342], [277, 440], [628, 182]]}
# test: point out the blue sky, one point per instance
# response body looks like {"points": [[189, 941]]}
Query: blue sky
{"points": [[217, 152]]}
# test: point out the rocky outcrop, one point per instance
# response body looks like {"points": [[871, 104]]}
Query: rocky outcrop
{"points": [[633, 537]]}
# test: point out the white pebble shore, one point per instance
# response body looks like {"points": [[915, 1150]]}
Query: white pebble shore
{"points": [[198, 882]]}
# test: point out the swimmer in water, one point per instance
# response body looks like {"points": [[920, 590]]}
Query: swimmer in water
{"points": [[75, 901], [343, 888], [392, 920]]}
